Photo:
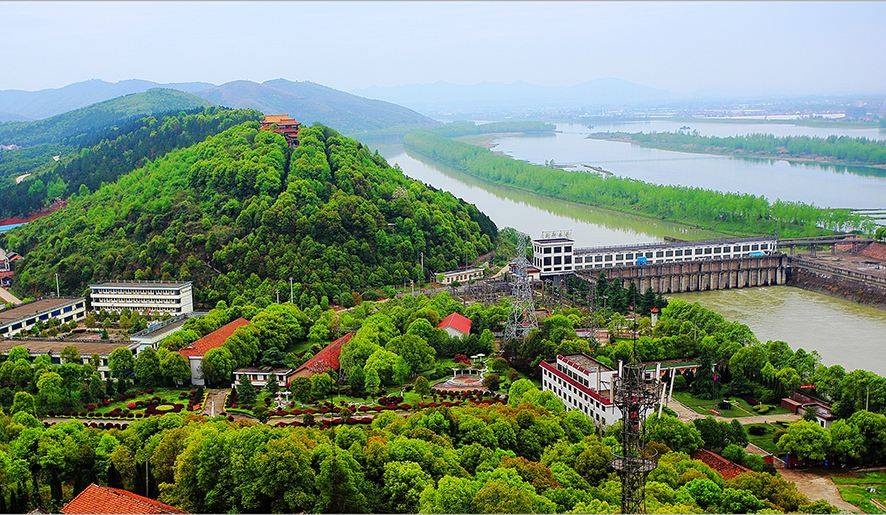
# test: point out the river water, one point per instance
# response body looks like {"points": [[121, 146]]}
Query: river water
{"points": [[841, 331], [822, 185]]}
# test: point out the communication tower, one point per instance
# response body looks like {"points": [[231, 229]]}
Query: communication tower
{"points": [[635, 397], [522, 319]]}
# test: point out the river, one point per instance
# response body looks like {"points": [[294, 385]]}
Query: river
{"points": [[841, 331], [822, 185]]}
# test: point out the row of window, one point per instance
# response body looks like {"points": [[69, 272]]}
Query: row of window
{"points": [[700, 251], [555, 250], [572, 398], [27, 323]]}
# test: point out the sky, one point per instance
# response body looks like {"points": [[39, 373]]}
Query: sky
{"points": [[696, 47]]}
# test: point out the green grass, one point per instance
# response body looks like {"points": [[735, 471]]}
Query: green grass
{"points": [[764, 441], [740, 407], [853, 489]]}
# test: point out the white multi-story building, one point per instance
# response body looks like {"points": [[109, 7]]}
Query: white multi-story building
{"points": [[582, 383], [23, 317], [555, 256], [587, 385], [459, 276], [146, 297]]}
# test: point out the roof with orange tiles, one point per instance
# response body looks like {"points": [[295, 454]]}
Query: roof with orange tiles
{"points": [[458, 322], [104, 499], [326, 359], [213, 340], [727, 469]]}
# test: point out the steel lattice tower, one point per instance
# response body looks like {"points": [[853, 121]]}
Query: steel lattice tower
{"points": [[635, 397], [522, 319]]}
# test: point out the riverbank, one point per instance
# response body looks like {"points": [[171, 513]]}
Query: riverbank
{"points": [[662, 143], [736, 214]]}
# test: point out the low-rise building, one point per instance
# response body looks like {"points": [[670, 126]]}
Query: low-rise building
{"points": [[152, 335], [53, 349], [104, 499], [456, 325], [327, 360], [802, 403], [25, 316], [460, 276], [195, 352], [284, 125], [145, 297], [259, 377]]}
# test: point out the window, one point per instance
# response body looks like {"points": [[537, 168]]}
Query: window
{"points": [[629, 255], [567, 260], [547, 261], [678, 252], [598, 259], [718, 250], [746, 248], [619, 257], [558, 250], [547, 250], [755, 247], [568, 248], [707, 250], [669, 253], [698, 252], [659, 254], [649, 254], [558, 260]]}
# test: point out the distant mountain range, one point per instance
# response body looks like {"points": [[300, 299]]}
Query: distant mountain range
{"points": [[441, 98], [307, 101]]}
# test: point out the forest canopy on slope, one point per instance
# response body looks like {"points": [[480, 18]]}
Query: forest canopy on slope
{"points": [[119, 150], [240, 216]]}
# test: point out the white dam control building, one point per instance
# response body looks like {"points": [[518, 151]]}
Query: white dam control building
{"points": [[557, 255], [146, 297]]}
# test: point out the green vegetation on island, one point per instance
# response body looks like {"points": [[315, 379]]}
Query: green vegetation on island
{"points": [[724, 212], [240, 216], [833, 149]]}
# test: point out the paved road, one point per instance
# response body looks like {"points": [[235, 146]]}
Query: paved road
{"points": [[815, 485]]}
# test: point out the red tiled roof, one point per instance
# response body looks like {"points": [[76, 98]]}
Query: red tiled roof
{"points": [[213, 340], [104, 499], [727, 469], [458, 322], [326, 359]]}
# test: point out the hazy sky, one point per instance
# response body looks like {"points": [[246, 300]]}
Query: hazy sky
{"points": [[734, 48]]}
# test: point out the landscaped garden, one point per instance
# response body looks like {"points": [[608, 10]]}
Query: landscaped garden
{"points": [[727, 407], [856, 489], [145, 403], [764, 435]]}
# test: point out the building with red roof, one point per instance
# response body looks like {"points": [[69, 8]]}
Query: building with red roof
{"points": [[324, 361], [104, 499], [457, 325], [727, 469], [194, 352]]}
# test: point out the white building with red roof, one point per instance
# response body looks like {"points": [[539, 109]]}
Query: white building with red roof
{"points": [[195, 352], [104, 499], [327, 360], [456, 325]]}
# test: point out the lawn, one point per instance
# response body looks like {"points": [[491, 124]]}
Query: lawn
{"points": [[763, 441], [740, 407], [854, 490]]}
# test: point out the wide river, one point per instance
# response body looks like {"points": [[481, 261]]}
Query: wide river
{"points": [[841, 331], [822, 185]]}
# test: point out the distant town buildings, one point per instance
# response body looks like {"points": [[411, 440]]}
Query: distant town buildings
{"points": [[53, 349], [104, 499], [456, 325], [7, 261], [145, 297], [196, 351], [459, 276], [25, 316], [284, 125]]}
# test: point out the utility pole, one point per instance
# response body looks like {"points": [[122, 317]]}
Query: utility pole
{"points": [[422, 258], [291, 301], [278, 296], [57, 287]]}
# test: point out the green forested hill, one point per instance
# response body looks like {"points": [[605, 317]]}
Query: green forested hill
{"points": [[78, 127], [125, 147], [239, 217]]}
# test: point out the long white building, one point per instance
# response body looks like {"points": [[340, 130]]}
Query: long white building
{"points": [[146, 297], [557, 256], [22, 318]]}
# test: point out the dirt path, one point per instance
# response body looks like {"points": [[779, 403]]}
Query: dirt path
{"points": [[215, 401], [817, 486]]}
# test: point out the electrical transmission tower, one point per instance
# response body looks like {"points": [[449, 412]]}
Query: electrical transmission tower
{"points": [[635, 397], [522, 319]]}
